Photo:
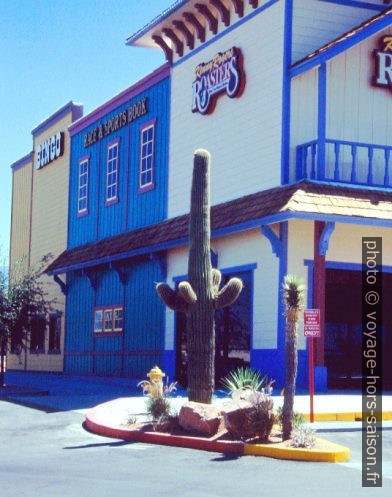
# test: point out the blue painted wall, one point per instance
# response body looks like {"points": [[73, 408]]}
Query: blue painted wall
{"points": [[133, 210], [140, 346]]}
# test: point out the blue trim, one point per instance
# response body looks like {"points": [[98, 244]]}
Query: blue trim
{"points": [[350, 266], [356, 3], [59, 114], [274, 240], [226, 270], [322, 120], [286, 91], [22, 162], [282, 273], [225, 32], [342, 45], [325, 237], [165, 14], [350, 185], [235, 269]]}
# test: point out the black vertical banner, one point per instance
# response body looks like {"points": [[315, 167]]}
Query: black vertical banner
{"points": [[372, 362]]}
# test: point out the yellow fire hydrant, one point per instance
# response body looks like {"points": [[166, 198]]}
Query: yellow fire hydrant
{"points": [[156, 374]]}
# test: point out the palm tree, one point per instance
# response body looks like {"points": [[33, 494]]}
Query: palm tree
{"points": [[294, 299]]}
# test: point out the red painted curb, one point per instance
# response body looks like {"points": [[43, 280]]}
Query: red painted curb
{"points": [[184, 441]]}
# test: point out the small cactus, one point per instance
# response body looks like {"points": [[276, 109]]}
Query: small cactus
{"points": [[199, 297]]}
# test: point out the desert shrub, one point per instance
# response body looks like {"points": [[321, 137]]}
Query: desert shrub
{"points": [[262, 416], [298, 418], [158, 404], [244, 378], [303, 438], [131, 419], [158, 408]]}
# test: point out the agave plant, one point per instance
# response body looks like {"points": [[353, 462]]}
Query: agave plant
{"points": [[244, 379], [294, 301]]}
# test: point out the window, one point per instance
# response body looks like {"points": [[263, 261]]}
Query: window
{"points": [[83, 186], [108, 320], [37, 335], [112, 173], [54, 333], [146, 175], [98, 320], [118, 319]]}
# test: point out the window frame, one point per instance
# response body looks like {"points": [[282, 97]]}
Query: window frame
{"points": [[82, 160], [142, 188], [112, 331], [114, 199], [57, 332]]}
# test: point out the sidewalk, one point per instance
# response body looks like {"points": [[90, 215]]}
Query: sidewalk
{"points": [[68, 392]]}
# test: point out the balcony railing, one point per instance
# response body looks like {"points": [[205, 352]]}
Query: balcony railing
{"points": [[344, 162]]}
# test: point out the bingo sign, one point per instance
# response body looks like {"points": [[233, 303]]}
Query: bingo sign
{"points": [[312, 323], [222, 74]]}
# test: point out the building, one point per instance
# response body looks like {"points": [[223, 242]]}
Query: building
{"points": [[295, 111], [118, 184], [38, 228]]}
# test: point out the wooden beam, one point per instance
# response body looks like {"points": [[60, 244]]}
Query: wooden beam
{"points": [[254, 3], [223, 11], [199, 28], [319, 275], [189, 38], [238, 7], [166, 49], [209, 16], [178, 45]]}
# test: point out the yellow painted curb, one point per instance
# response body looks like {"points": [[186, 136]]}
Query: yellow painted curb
{"points": [[344, 416], [334, 452]]}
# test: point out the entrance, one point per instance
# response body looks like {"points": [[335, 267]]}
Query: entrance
{"points": [[343, 328], [232, 333]]}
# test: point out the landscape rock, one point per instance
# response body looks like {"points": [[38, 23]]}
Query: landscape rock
{"points": [[200, 418], [238, 415]]}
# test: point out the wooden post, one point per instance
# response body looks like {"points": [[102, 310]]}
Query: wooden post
{"points": [[319, 291]]}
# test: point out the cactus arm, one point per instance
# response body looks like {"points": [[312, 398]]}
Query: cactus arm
{"points": [[171, 298], [186, 291], [229, 293], [216, 279]]}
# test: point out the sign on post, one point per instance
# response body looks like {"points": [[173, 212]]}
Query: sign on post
{"points": [[312, 330], [312, 323]]}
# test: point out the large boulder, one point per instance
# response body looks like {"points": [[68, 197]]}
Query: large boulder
{"points": [[200, 418], [238, 418]]}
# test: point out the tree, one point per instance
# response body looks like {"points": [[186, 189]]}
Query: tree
{"points": [[199, 297], [294, 300], [23, 301]]}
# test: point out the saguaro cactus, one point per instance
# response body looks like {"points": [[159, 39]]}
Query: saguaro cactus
{"points": [[199, 297]]}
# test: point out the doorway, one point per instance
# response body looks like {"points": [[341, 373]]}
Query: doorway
{"points": [[343, 328], [232, 333]]}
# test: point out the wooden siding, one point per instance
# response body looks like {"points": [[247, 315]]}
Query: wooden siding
{"points": [[21, 215], [313, 26], [356, 110], [139, 347], [133, 209], [252, 161]]}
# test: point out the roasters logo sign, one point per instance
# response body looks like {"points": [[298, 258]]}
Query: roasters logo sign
{"points": [[383, 57], [223, 73]]}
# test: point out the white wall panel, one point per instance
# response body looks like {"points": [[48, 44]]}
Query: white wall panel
{"points": [[316, 23], [242, 134], [238, 250]]}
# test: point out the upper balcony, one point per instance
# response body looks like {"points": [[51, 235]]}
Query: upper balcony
{"points": [[342, 161]]}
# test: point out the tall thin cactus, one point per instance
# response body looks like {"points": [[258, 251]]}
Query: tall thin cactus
{"points": [[199, 297], [294, 300]]}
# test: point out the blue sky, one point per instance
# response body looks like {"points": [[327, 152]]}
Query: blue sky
{"points": [[55, 51]]}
